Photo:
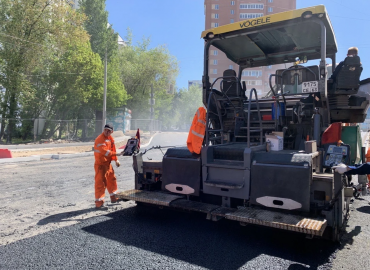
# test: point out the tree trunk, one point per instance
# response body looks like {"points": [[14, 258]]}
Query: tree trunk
{"points": [[26, 129], [12, 116], [2, 125], [3, 115], [84, 130]]}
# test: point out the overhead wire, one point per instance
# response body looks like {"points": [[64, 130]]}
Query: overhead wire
{"points": [[34, 75], [40, 75], [6, 35]]}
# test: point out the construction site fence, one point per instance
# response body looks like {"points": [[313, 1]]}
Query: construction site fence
{"points": [[14, 130]]}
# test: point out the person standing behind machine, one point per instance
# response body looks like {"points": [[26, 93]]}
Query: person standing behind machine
{"points": [[105, 152]]}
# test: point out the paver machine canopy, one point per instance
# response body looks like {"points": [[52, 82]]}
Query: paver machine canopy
{"points": [[294, 36]]}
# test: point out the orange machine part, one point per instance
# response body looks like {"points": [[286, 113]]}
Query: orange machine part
{"points": [[332, 134]]}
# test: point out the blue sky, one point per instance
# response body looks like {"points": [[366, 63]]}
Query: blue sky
{"points": [[179, 23]]}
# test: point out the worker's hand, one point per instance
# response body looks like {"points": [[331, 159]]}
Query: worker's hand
{"points": [[118, 163], [340, 168]]}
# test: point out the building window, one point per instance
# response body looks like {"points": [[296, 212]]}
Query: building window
{"points": [[215, 61], [252, 73], [231, 67], [258, 82], [214, 71], [251, 6], [214, 24], [250, 15], [232, 12], [215, 16], [270, 9], [233, 3], [214, 6], [231, 20], [215, 52], [270, 1]]}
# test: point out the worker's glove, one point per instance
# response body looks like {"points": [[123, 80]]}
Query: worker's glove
{"points": [[340, 168], [118, 163]]}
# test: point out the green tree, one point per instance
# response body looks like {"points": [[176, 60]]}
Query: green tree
{"points": [[185, 104], [140, 68], [74, 94], [104, 41], [102, 37], [28, 29], [116, 92]]}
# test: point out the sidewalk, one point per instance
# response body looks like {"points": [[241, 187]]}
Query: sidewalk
{"points": [[47, 146]]}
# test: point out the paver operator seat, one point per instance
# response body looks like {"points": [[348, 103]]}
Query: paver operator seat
{"points": [[230, 85], [348, 78]]}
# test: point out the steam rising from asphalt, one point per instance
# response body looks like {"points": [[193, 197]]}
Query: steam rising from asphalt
{"points": [[173, 138]]}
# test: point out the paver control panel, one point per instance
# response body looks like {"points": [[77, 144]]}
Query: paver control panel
{"points": [[336, 154]]}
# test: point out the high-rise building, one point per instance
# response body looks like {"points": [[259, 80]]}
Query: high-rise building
{"points": [[73, 3], [197, 83], [221, 12]]}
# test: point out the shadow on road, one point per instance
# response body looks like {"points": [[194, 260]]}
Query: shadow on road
{"points": [[348, 237], [296, 266], [364, 209], [62, 217], [214, 245]]}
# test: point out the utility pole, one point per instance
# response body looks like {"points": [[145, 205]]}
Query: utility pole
{"points": [[105, 93], [151, 107]]}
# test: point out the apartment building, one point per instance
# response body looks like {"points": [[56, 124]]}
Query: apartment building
{"points": [[197, 83], [221, 12], [73, 3]]}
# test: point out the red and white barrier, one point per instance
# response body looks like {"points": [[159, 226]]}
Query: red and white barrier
{"points": [[5, 153]]}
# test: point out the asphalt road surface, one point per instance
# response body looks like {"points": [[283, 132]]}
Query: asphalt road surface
{"points": [[48, 221]]}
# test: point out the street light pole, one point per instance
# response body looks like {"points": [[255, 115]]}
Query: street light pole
{"points": [[151, 106], [104, 120]]}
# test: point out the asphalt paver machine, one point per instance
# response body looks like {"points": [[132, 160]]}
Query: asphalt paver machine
{"points": [[268, 161]]}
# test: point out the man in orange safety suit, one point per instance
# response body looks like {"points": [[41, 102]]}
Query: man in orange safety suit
{"points": [[105, 152]]}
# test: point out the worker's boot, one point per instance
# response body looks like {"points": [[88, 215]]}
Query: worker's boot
{"points": [[99, 205], [114, 199]]}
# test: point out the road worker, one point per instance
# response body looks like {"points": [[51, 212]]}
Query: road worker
{"points": [[105, 152], [197, 131]]}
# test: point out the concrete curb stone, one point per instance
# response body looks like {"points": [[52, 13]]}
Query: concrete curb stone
{"points": [[19, 159]]}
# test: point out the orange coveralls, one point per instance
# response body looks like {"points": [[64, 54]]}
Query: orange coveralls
{"points": [[104, 152]]}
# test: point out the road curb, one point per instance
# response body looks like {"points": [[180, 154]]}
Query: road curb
{"points": [[63, 156], [55, 145], [47, 156], [19, 159], [151, 138]]}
